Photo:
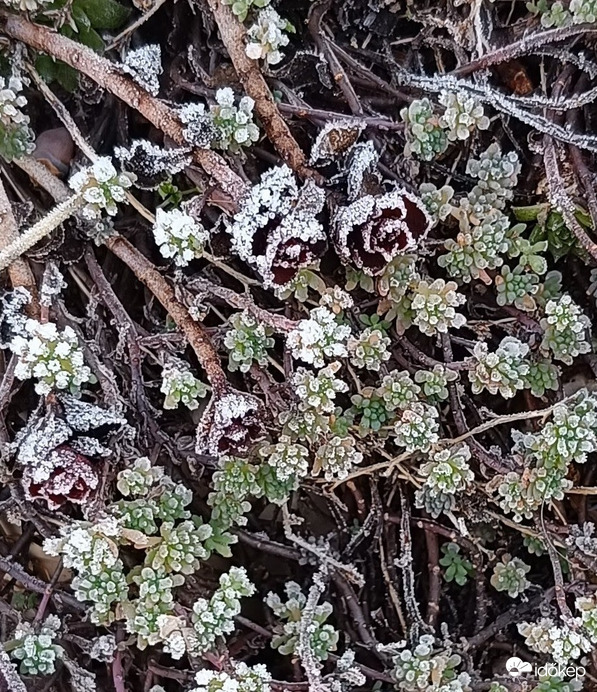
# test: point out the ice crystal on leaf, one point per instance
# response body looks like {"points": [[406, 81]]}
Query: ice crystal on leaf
{"points": [[509, 575], [266, 36], [502, 371], [36, 650], [101, 187], [178, 236], [318, 391], [565, 330], [433, 305], [334, 139], [243, 678], [145, 66], [425, 137], [180, 385], [277, 230], [247, 342], [234, 124], [373, 230], [318, 337], [337, 458], [369, 350], [562, 643], [417, 427], [199, 129], [151, 164], [16, 139]]}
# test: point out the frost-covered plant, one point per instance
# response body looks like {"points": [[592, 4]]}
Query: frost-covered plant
{"points": [[516, 287], [398, 390], [318, 391], [447, 475], [417, 427], [370, 409], [456, 567], [336, 299], [583, 11], [437, 201], [306, 425], [101, 187], [199, 129], [16, 139], [566, 330], [561, 642], [509, 575], [266, 36], [428, 666], [277, 229], [243, 678], [502, 371], [425, 137], [318, 337], [214, 618], [434, 306], [234, 123], [35, 649], [369, 350], [241, 7], [287, 459], [587, 608], [179, 385], [542, 375], [181, 548], [178, 236], [144, 64], [497, 175], [552, 15], [139, 479], [337, 457], [462, 115], [247, 341], [323, 638], [152, 164], [521, 495], [53, 357], [233, 484], [435, 382], [478, 246]]}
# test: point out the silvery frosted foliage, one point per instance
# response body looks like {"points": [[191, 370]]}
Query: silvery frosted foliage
{"points": [[446, 475], [323, 637], [583, 11], [501, 372], [562, 643], [35, 649], [425, 137], [347, 674], [374, 229], [103, 648], [144, 64], [247, 341], [90, 549], [337, 457], [181, 548], [199, 129], [361, 166], [286, 458], [587, 608], [417, 427], [398, 390], [336, 299], [570, 435], [434, 306], [233, 484], [318, 391], [101, 188], [428, 666], [522, 495], [139, 479], [399, 276], [150, 163], [276, 488], [319, 337], [566, 330], [231, 424], [509, 575], [305, 426], [178, 236], [16, 139], [554, 15], [179, 385], [582, 536], [266, 36], [435, 382], [497, 175], [516, 287], [53, 357], [243, 678], [542, 375], [462, 115], [478, 246], [369, 350], [234, 123], [277, 230], [214, 618], [13, 317], [437, 201]]}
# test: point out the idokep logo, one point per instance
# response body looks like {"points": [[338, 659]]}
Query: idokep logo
{"points": [[517, 667]]}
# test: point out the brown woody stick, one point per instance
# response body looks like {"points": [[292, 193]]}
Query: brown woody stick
{"points": [[107, 75], [233, 36]]}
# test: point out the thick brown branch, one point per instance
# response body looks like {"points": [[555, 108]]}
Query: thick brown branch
{"points": [[233, 37], [198, 338], [107, 75]]}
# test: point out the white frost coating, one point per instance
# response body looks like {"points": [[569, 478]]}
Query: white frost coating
{"points": [[147, 159], [266, 37], [101, 187], [145, 66], [335, 138], [178, 236], [318, 337]]}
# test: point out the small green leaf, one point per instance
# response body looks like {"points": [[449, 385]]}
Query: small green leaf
{"points": [[103, 14], [56, 71]]}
